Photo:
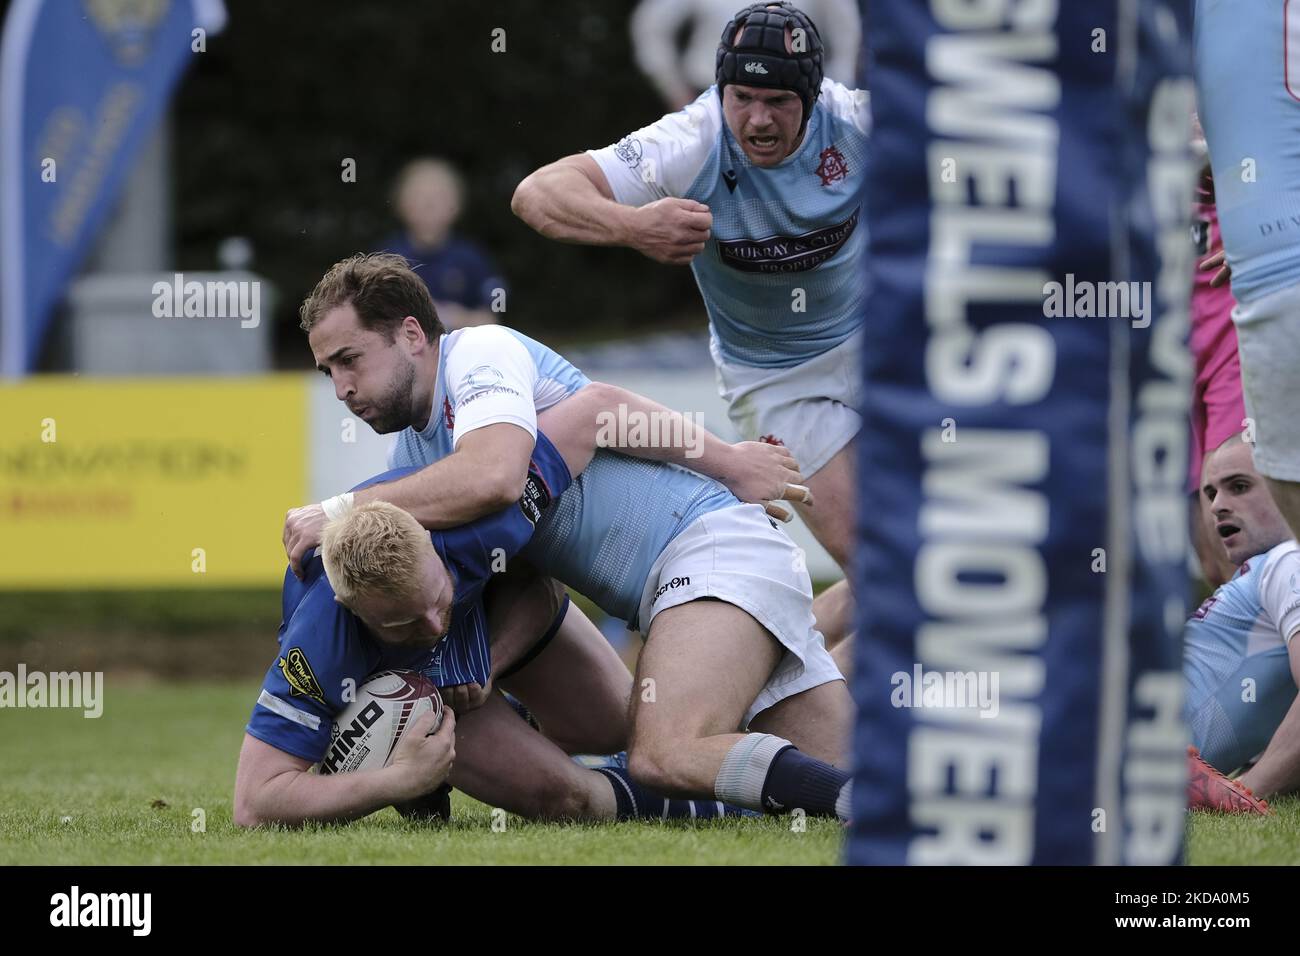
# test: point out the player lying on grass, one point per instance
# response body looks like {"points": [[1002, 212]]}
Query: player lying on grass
{"points": [[428, 616], [1240, 662], [737, 697]]}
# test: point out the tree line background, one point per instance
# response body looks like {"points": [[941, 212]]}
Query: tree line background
{"points": [[265, 118]]}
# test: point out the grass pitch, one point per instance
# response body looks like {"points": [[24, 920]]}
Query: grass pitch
{"points": [[124, 788], [1215, 839]]}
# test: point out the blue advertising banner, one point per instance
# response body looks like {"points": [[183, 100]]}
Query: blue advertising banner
{"points": [[1021, 574], [82, 85]]}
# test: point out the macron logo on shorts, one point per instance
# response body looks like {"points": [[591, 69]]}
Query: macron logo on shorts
{"points": [[674, 583]]}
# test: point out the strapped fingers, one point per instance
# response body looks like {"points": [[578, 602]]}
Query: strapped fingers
{"points": [[778, 511], [797, 492]]}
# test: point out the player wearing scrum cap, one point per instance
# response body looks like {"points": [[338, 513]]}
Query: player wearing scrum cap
{"points": [[738, 697], [756, 185]]}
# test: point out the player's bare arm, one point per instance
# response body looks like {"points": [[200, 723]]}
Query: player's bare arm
{"points": [[1278, 768], [570, 200], [272, 786], [754, 472], [485, 474]]}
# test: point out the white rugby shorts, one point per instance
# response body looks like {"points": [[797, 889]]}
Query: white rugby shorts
{"points": [[736, 555], [1268, 339], [811, 408]]}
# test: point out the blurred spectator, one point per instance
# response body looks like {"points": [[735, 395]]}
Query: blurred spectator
{"points": [[681, 75], [463, 281]]}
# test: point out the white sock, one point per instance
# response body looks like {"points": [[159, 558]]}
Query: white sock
{"points": [[744, 770]]}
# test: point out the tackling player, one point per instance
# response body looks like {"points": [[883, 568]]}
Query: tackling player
{"points": [[429, 617], [718, 591], [756, 185]]}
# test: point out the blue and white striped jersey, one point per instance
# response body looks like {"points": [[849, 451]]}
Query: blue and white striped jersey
{"points": [[1235, 658], [781, 273], [605, 533]]}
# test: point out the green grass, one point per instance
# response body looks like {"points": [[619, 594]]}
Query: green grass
{"points": [[88, 791], [121, 789], [1215, 839]]}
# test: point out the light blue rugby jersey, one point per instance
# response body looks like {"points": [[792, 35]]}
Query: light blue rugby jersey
{"points": [[1248, 93], [615, 519], [1235, 647], [799, 225]]}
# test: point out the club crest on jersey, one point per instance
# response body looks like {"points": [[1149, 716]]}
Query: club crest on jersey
{"points": [[482, 377], [833, 167], [628, 149], [298, 674]]}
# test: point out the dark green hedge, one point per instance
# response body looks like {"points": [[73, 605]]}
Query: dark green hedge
{"points": [[266, 116]]}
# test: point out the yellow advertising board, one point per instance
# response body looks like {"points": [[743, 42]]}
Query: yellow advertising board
{"points": [[108, 483]]}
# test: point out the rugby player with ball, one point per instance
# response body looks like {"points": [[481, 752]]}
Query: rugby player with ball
{"points": [[385, 612], [737, 698]]}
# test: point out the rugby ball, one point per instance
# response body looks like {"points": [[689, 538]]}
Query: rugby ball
{"points": [[366, 732]]}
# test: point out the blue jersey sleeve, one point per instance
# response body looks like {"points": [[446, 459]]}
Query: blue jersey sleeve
{"points": [[321, 643], [321, 659], [475, 551], [464, 656]]}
